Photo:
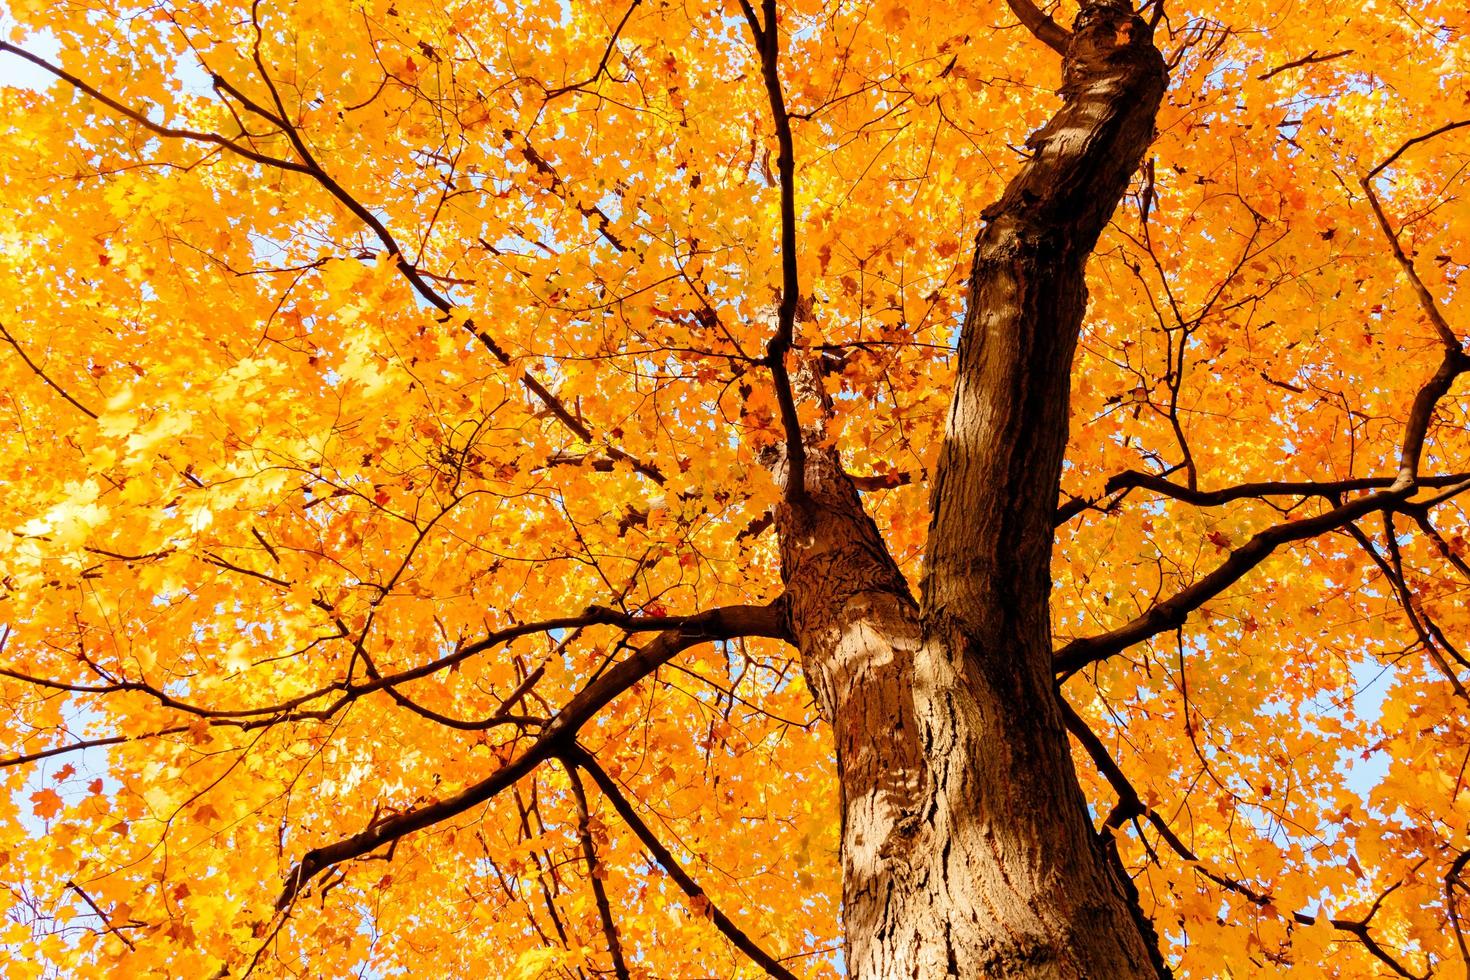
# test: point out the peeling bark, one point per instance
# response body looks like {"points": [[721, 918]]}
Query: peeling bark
{"points": [[966, 847]]}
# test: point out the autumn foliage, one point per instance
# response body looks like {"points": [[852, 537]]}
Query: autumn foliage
{"points": [[388, 418]]}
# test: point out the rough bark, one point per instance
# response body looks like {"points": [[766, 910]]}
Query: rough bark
{"points": [[967, 851]]}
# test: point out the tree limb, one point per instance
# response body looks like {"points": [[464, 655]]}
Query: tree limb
{"points": [[584, 760], [1311, 59], [1455, 361], [36, 370], [555, 738], [1134, 479], [157, 129], [767, 39], [594, 874], [313, 169], [1175, 610], [1046, 30], [1130, 805]]}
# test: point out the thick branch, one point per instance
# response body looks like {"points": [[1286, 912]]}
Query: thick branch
{"points": [[555, 738], [343, 692], [1174, 611], [1455, 362], [1394, 573], [995, 487], [1046, 30]]}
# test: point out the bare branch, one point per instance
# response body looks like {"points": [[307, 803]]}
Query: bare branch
{"points": [[148, 124], [36, 370], [768, 43], [584, 760], [1331, 489], [1175, 610], [91, 743], [1130, 805], [594, 874], [313, 169], [1452, 881], [601, 68], [1395, 575], [1310, 59], [1415, 141], [106, 919], [1455, 361], [554, 739]]}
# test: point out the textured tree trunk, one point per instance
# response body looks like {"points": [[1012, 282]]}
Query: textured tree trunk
{"points": [[967, 851]]}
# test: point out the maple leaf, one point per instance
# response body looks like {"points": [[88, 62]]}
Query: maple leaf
{"points": [[46, 804]]}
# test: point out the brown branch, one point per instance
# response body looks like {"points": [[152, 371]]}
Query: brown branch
{"points": [[1455, 361], [106, 919], [554, 739], [546, 868], [559, 188], [36, 369], [1395, 575], [1133, 479], [1174, 611], [993, 506], [881, 481], [594, 874], [156, 128], [1451, 880], [1421, 517], [1421, 412], [1415, 141], [22, 759], [346, 692], [1311, 59], [592, 616], [313, 169], [768, 43], [610, 789], [1130, 805], [1045, 30], [602, 63]]}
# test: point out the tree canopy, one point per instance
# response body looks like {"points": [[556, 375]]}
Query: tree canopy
{"points": [[396, 396]]}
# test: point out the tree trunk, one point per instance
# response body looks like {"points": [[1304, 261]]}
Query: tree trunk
{"points": [[966, 847]]}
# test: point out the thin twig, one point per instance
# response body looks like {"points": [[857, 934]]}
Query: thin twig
{"points": [[35, 368], [1311, 59], [106, 919]]}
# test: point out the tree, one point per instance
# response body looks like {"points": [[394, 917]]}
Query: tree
{"points": [[543, 489]]}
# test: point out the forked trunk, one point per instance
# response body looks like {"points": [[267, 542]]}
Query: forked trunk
{"points": [[967, 851]]}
